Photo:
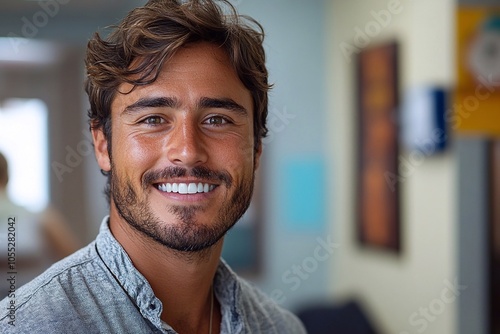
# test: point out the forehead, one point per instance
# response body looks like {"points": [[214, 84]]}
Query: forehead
{"points": [[198, 54], [196, 70]]}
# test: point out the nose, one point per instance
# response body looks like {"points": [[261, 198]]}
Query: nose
{"points": [[185, 146]]}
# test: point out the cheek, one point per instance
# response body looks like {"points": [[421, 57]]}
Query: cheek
{"points": [[245, 148], [134, 151], [234, 147], [241, 159], [248, 154]]}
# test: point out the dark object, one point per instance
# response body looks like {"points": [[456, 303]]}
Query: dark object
{"points": [[348, 318], [494, 234]]}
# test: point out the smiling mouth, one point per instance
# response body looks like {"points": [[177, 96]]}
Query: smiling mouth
{"points": [[186, 188]]}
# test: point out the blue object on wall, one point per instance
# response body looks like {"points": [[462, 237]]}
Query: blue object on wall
{"points": [[424, 123], [304, 195]]}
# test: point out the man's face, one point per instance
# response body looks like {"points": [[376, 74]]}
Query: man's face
{"points": [[182, 161]]}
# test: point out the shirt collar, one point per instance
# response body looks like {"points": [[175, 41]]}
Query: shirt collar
{"points": [[130, 279], [227, 287]]}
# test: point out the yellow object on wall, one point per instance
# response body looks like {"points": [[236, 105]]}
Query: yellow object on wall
{"points": [[476, 102]]}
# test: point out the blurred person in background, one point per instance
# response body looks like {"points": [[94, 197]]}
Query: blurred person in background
{"points": [[179, 101], [35, 240]]}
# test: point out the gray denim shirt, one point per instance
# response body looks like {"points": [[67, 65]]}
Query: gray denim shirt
{"points": [[98, 290]]}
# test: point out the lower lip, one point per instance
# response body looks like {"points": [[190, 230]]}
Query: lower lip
{"points": [[198, 197]]}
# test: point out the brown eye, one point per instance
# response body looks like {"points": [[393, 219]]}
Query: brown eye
{"points": [[216, 120], [153, 120]]}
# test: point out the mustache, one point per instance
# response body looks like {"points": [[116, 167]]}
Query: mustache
{"points": [[199, 172]]}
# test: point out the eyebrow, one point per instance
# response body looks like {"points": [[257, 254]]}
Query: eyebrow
{"points": [[222, 103], [151, 102], [203, 103]]}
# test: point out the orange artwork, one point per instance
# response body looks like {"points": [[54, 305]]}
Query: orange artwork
{"points": [[378, 205], [477, 96]]}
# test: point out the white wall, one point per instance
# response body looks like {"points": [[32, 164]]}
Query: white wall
{"points": [[395, 288]]}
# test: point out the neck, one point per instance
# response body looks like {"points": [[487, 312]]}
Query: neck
{"points": [[181, 281]]}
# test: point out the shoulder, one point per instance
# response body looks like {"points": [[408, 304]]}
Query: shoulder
{"points": [[267, 310], [53, 295], [261, 312]]}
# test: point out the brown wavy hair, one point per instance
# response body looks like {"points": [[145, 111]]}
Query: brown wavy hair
{"points": [[149, 36]]}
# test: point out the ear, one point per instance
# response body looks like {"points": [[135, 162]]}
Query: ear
{"points": [[101, 149]]}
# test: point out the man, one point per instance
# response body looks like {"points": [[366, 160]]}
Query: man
{"points": [[178, 96]]}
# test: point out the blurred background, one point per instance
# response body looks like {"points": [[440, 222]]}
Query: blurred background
{"points": [[375, 204]]}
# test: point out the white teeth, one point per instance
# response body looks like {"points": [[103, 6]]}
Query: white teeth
{"points": [[192, 188], [186, 188], [183, 188]]}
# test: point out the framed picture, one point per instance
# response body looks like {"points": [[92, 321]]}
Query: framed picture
{"points": [[378, 220]]}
